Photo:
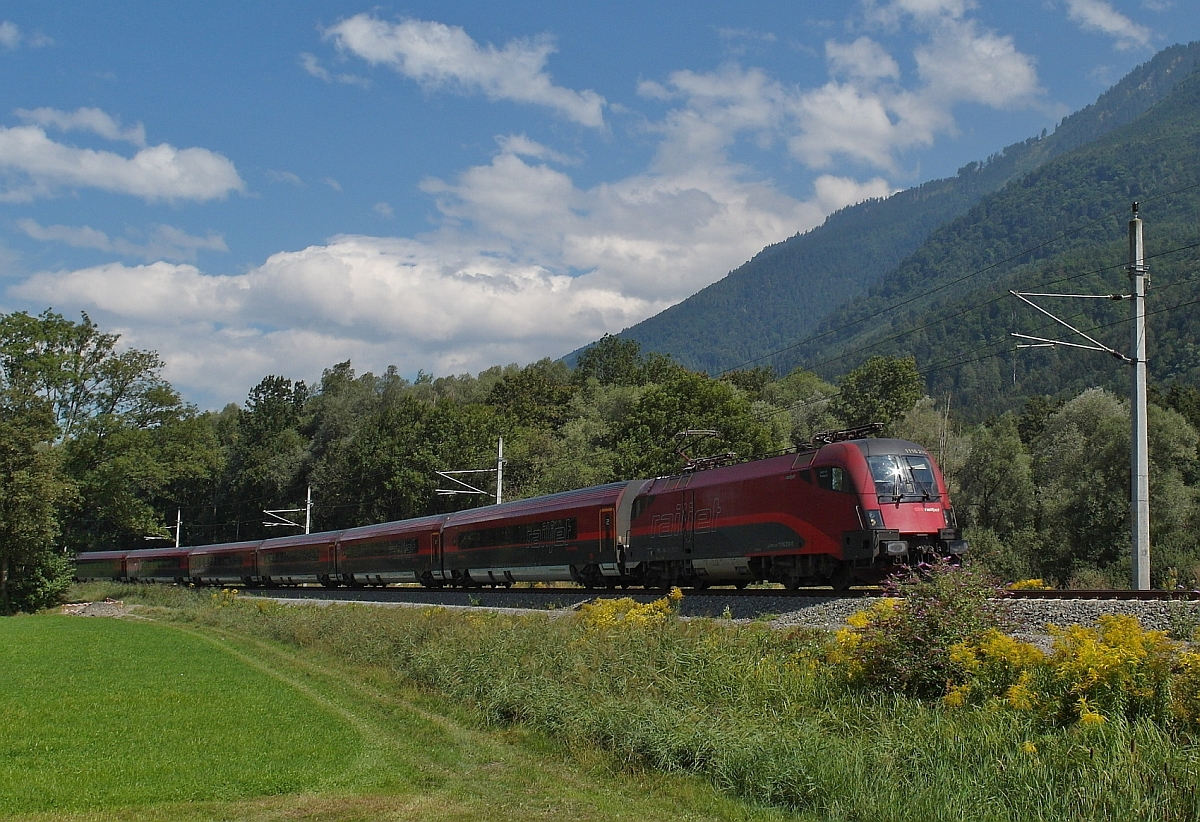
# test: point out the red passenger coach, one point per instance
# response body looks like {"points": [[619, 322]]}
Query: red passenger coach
{"points": [[569, 536], [98, 566], [299, 559], [225, 564], [158, 565], [405, 551]]}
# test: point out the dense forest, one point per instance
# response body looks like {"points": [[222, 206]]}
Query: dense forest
{"points": [[97, 451]]}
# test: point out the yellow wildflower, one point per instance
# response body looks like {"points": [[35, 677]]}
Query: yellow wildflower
{"points": [[1028, 747], [1020, 696], [956, 697]]}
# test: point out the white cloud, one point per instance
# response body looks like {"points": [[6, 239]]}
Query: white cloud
{"points": [[526, 264], [289, 177], [85, 119], [963, 65], [440, 56], [160, 172], [864, 58], [374, 300], [384, 210], [11, 37], [163, 242], [866, 113], [838, 192], [522, 146], [313, 66], [1100, 16]]}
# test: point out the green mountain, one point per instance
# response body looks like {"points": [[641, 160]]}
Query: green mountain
{"points": [[1060, 228], [781, 297]]}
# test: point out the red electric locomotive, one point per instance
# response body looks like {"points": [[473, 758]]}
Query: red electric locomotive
{"points": [[829, 515], [825, 516]]}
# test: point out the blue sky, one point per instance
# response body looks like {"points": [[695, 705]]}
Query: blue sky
{"points": [[275, 187]]}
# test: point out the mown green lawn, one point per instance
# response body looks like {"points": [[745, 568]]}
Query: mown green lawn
{"points": [[132, 719]]}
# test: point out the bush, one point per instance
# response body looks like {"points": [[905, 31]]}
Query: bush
{"points": [[40, 583], [907, 644], [1115, 670]]}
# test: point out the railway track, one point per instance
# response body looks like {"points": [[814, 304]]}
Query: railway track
{"points": [[752, 603], [1031, 612]]}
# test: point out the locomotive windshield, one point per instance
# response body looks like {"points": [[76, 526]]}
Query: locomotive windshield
{"points": [[903, 478]]}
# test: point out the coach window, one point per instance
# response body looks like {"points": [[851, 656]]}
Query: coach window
{"points": [[832, 478]]}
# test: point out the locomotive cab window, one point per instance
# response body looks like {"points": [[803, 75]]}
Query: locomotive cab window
{"points": [[903, 477]]}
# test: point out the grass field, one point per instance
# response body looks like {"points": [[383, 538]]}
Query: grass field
{"points": [[132, 719], [598, 714]]}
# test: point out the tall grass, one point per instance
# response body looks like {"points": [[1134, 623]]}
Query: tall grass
{"points": [[749, 708]]}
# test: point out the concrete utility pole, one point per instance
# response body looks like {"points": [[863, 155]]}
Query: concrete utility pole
{"points": [[500, 472], [1139, 461], [178, 525], [1139, 505]]}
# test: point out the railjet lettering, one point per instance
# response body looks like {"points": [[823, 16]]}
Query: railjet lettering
{"points": [[703, 519]]}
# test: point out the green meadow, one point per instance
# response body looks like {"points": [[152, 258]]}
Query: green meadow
{"points": [[106, 719]]}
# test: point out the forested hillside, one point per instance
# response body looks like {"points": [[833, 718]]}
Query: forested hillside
{"points": [[779, 297], [1061, 228]]}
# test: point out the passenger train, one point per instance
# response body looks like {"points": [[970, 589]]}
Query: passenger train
{"points": [[844, 510]]}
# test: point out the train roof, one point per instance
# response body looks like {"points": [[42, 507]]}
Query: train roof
{"points": [[151, 553], [881, 447], [221, 547], [102, 555], [402, 526], [319, 538], [596, 494]]}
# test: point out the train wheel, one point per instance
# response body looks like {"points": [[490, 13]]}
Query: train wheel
{"points": [[841, 578]]}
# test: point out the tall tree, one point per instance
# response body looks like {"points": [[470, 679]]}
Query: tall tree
{"points": [[123, 435], [33, 573], [882, 390]]}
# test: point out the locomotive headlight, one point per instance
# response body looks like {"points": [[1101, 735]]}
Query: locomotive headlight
{"points": [[874, 519], [896, 548]]}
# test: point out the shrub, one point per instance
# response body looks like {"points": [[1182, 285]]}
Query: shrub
{"points": [[908, 644], [1117, 669], [39, 583]]}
